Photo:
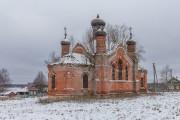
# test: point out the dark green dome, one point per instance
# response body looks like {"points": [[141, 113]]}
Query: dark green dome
{"points": [[98, 22]]}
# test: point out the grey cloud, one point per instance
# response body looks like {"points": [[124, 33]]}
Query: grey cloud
{"points": [[30, 30]]}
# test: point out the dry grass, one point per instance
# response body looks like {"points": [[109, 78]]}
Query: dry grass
{"points": [[92, 98], [3, 98]]}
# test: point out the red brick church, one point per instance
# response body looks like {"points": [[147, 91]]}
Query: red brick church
{"points": [[103, 72]]}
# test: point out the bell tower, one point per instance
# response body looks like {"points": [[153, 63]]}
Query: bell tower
{"points": [[101, 61]]}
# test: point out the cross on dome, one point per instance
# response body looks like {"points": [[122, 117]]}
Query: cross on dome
{"points": [[65, 34]]}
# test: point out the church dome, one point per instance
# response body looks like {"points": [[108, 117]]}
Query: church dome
{"points": [[65, 42], [98, 22], [131, 42]]}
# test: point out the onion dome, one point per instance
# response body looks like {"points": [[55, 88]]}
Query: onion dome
{"points": [[98, 22], [131, 42], [65, 41], [100, 33]]}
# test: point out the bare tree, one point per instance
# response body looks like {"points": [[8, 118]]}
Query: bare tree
{"points": [[4, 78], [115, 34], [139, 53], [165, 74], [53, 58], [71, 38], [88, 40], [40, 81]]}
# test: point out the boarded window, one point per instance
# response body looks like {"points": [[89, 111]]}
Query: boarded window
{"points": [[85, 81], [126, 72], [142, 85], [120, 69], [113, 72], [53, 82], [69, 77]]}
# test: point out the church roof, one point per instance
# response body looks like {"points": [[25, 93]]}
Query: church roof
{"points": [[75, 58]]}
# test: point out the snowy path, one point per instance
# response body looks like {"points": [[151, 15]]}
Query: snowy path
{"points": [[162, 107]]}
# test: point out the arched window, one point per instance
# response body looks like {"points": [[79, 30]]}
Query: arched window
{"points": [[142, 85], [126, 72], [113, 72], [53, 81], [120, 69], [85, 81]]}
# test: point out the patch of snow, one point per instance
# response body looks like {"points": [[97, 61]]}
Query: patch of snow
{"points": [[74, 58], [161, 107], [15, 90], [65, 40]]}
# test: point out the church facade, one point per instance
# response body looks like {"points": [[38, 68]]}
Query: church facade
{"points": [[80, 72]]}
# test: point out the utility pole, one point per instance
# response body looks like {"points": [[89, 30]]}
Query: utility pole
{"points": [[154, 71], [172, 87], [171, 73], [156, 82], [156, 78]]}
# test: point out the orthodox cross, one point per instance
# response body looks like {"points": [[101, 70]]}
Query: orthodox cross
{"points": [[97, 16], [65, 34], [130, 29]]}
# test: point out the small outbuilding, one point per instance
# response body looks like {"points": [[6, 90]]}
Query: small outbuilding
{"points": [[173, 84], [33, 91], [9, 94]]}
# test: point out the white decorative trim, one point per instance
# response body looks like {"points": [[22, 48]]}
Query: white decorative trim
{"points": [[97, 80], [84, 88], [142, 87], [103, 65], [128, 59], [137, 80], [68, 89], [120, 81]]}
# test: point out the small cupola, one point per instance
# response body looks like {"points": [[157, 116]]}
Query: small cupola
{"points": [[131, 44], [65, 44], [100, 33], [65, 40]]}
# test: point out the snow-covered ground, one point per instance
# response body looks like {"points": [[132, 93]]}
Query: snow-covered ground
{"points": [[161, 107]]}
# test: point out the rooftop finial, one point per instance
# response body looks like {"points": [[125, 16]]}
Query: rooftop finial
{"points": [[97, 16], [65, 34], [130, 29]]}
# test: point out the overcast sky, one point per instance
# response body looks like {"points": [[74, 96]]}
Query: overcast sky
{"points": [[31, 29]]}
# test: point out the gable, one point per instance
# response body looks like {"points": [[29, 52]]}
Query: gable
{"points": [[120, 53], [79, 48]]}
